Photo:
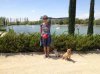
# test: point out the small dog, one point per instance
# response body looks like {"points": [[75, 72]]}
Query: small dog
{"points": [[56, 53], [67, 55]]}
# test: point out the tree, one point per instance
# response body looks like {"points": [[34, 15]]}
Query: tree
{"points": [[97, 22], [72, 15], [65, 21], [60, 22], [17, 22], [26, 21], [91, 18]]}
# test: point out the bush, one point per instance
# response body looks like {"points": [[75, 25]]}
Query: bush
{"points": [[63, 41], [13, 42], [2, 29], [84, 43]]}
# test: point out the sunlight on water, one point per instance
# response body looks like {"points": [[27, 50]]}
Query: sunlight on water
{"points": [[58, 29]]}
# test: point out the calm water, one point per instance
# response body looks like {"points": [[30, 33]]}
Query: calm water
{"points": [[54, 28]]}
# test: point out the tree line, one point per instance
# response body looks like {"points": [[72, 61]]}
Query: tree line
{"points": [[4, 21]]}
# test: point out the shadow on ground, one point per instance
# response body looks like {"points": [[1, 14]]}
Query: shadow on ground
{"points": [[25, 53], [71, 60], [80, 53]]}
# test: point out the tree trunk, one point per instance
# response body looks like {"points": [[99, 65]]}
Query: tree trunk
{"points": [[91, 18], [72, 15]]}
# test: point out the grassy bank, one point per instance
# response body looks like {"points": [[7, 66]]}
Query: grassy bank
{"points": [[13, 42]]}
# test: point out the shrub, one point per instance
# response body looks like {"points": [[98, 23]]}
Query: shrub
{"points": [[13, 42], [2, 29], [84, 42]]}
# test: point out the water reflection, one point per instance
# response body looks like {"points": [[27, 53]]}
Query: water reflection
{"points": [[58, 29]]}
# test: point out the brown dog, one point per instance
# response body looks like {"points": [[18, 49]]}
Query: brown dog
{"points": [[67, 55]]}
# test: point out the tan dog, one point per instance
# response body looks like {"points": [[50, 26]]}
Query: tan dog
{"points": [[67, 55]]}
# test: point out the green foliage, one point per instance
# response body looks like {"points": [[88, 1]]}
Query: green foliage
{"points": [[13, 42], [62, 42], [25, 21], [3, 21], [2, 29], [85, 43], [60, 22], [6, 21], [35, 42], [77, 42], [97, 22]]}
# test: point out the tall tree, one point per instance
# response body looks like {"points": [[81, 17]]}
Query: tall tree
{"points": [[4, 21], [72, 15], [91, 18]]}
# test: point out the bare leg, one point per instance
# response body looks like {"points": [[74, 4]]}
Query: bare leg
{"points": [[48, 49], [45, 51]]}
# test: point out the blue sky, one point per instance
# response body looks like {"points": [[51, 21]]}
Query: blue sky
{"points": [[34, 9]]}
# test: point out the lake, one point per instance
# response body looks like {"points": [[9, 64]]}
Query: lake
{"points": [[58, 29]]}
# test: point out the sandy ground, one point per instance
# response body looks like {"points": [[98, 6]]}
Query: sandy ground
{"points": [[35, 63]]}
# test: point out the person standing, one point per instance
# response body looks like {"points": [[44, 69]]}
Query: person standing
{"points": [[45, 35]]}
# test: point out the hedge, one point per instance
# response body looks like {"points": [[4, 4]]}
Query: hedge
{"points": [[13, 42]]}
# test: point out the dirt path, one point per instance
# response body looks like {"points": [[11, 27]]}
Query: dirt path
{"points": [[37, 64]]}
